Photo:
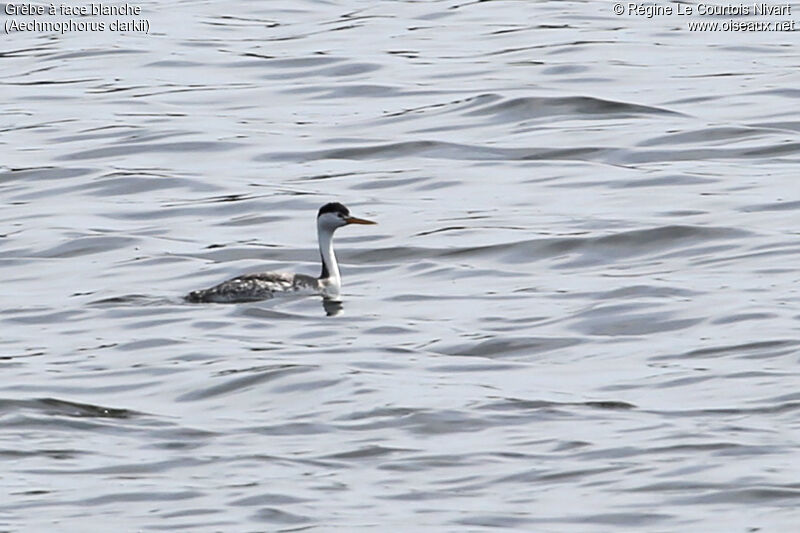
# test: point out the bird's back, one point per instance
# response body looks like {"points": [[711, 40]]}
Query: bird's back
{"points": [[252, 287]]}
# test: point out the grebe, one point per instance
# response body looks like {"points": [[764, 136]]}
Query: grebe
{"points": [[252, 287]]}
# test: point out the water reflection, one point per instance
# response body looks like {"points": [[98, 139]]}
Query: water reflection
{"points": [[332, 307]]}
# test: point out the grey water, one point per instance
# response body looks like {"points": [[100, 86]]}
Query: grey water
{"points": [[578, 313]]}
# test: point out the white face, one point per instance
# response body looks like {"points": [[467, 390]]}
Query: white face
{"points": [[331, 221]]}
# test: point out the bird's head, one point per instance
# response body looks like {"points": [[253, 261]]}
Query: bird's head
{"points": [[335, 215]]}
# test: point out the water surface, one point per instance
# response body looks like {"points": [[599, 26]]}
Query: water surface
{"points": [[582, 286]]}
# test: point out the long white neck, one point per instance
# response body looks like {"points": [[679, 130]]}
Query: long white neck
{"points": [[330, 268]]}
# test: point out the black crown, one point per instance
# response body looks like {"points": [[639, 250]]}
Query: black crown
{"points": [[334, 207]]}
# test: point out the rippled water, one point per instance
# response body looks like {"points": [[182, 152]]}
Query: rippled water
{"points": [[579, 311]]}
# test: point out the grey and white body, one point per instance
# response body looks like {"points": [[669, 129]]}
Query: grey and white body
{"points": [[252, 287]]}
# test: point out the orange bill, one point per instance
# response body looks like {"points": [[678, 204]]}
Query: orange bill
{"points": [[354, 220]]}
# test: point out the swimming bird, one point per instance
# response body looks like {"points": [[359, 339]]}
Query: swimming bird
{"points": [[252, 287]]}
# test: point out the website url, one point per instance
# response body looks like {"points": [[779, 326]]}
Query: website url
{"points": [[738, 25]]}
